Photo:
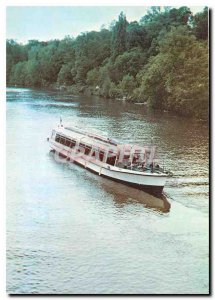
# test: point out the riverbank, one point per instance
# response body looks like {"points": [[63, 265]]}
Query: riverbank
{"points": [[85, 90]]}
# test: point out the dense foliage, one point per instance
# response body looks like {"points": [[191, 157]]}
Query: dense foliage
{"points": [[161, 60]]}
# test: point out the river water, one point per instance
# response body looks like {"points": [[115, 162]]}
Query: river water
{"points": [[71, 232]]}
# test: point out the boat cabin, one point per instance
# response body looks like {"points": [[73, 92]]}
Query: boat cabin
{"points": [[104, 150]]}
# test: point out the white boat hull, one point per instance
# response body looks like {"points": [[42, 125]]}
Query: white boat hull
{"points": [[152, 183]]}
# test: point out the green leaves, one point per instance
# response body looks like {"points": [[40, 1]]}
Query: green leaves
{"points": [[127, 85], [200, 24], [119, 36], [161, 60], [177, 78]]}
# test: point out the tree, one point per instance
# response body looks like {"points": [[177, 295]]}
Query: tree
{"points": [[127, 85], [129, 63], [158, 22], [200, 24], [91, 49], [33, 71], [18, 74], [14, 53], [93, 77], [119, 36], [65, 75], [136, 36], [177, 78]]}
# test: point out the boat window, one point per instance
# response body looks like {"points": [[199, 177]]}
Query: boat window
{"points": [[62, 140], [81, 147], [111, 158], [68, 142], [73, 143], [101, 155], [57, 138], [87, 150], [95, 153], [126, 157], [136, 158]]}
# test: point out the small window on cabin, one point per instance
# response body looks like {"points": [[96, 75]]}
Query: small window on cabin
{"points": [[111, 158], [73, 143], [62, 140], [95, 153], [101, 155], [57, 138], [126, 157], [68, 142], [135, 158], [87, 150], [81, 148]]}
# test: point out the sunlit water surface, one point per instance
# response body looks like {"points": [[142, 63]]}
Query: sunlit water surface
{"points": [[72, 232]]}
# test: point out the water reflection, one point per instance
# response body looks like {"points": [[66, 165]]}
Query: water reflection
{"points": [[56, 105], [123, 195]]}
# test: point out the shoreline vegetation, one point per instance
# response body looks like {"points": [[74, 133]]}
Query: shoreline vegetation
{"points": [[161, 61]]}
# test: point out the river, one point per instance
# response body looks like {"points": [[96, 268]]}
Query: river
{"points": [[71, 232]]}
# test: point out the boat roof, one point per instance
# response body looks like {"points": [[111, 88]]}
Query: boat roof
{"points": [[94, 139], [88, 138]]}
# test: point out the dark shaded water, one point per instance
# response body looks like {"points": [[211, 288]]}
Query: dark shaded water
{"points": [[70, 231]]}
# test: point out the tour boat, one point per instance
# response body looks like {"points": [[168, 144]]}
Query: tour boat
{"points": [[131, 165]]}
